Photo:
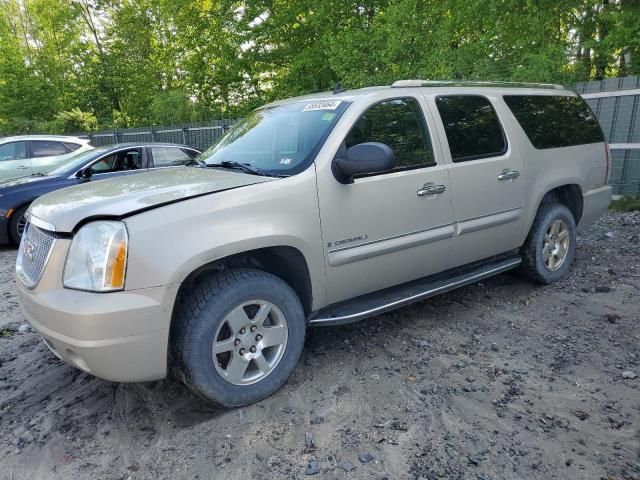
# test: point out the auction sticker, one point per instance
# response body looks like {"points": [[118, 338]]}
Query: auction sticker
{"points": [[324, 105]]}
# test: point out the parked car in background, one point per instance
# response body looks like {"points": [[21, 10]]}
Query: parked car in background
{"points": [[88, 166], [28, 154], [317, 210]]}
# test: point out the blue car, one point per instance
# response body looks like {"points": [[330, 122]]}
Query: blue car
{"points": [[101, 163]]}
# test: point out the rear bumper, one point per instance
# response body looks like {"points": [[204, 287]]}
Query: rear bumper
{"points": [[595, 204], [121, 336]]}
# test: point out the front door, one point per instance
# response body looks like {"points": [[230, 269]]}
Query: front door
{"points": [[392, 227], [14, 160], [486, 178]]}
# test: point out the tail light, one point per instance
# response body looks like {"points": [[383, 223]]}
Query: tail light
{"points": [[607, 156]]}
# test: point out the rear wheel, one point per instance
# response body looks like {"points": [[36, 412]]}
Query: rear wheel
{"points": [[17, 224], [551, 245], [238, 336]]}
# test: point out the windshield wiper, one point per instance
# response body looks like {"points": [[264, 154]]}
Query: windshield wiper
{"points": [[239, 166]]}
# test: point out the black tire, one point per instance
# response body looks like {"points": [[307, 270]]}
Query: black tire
{"points": [[533, 265], [202, 311], [14, 232]]}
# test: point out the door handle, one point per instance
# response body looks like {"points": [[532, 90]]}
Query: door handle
{"points": [[508, 174], [22, 167], [431, 189]]}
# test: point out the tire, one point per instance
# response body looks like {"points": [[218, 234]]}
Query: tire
{"points": [[216, 309], [537, 263], [15, 224]]}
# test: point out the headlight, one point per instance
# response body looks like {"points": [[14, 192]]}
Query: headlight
{"points": [[97, 259]]}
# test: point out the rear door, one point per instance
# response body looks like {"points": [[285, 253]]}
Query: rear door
{"points": [[392, 227], [486, 177], [14, 160], [46, 155]]}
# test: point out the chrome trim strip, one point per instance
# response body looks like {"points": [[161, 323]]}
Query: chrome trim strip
{"points": [[375, 248], [41, 223], [504, 266], [488, 221]]}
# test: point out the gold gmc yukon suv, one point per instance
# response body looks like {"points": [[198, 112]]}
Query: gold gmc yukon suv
{"points": [[312, 211]]}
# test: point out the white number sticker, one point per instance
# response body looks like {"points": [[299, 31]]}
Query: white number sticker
{"points": [[325, 105]]}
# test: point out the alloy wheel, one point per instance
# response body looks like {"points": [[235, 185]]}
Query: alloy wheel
{"points": [[556, 245], [250, 342]]}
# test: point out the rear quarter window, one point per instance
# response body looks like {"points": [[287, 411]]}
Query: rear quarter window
{"points": [[554, 121]]}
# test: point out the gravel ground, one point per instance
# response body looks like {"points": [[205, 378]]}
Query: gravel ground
{"points": [[499, 380]]}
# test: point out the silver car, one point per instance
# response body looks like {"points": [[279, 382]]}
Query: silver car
{"points": [[313, 211], [32, 154]]}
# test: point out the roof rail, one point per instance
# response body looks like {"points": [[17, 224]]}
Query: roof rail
{"points": [[470, 83]]}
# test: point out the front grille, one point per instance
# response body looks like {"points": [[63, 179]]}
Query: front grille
{"points": [[33, 254]]}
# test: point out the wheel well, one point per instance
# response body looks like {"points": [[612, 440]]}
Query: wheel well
{"points": [[287, 263], [568, 195]]}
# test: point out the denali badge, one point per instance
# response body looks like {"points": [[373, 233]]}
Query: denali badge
{"points": [[339, 243]]}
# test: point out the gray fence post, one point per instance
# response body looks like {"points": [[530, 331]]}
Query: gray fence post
{"points": [[184, 135]]}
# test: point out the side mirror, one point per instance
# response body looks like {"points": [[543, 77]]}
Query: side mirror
{"points": [[84, 174], [364, 158]]}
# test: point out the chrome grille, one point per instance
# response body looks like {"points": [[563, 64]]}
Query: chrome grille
{"points": [[33, 254]]}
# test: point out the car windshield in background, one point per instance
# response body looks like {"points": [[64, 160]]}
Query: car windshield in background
{"points": [[280, 140], [75, 162]]}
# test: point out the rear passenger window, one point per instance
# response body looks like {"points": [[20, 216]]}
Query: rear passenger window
{"points": [[398, 123], [553, 121], [169, 156], [472, 127], [45, 148]]}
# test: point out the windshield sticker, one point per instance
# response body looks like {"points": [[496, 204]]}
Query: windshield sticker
{"points": [[285, 161], [327, 117], [325, 105]]}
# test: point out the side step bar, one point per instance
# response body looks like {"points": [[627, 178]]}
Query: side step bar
{"points": [[382, 301]]}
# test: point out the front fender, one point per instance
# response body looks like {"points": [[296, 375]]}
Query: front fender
{"points": [[167, 244]]}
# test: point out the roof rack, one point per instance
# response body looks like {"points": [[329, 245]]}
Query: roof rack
{"points": [[468, 83]]}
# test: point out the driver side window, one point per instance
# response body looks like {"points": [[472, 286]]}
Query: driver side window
{"points": [[398, 123], [119, 162]]}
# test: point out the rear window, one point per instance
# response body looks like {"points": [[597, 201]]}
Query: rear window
{"points": [[71, 147], [472, 127], [553, 121]]}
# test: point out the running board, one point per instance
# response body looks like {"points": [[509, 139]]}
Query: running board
{"points": [[382, 301]]}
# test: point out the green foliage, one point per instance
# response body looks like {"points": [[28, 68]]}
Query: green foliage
{"points": [[74, 121], [138, 62], [626, 204]]}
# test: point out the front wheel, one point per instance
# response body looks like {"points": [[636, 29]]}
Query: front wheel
{"points": [[237, 336], [17, 224], [551, 245]]}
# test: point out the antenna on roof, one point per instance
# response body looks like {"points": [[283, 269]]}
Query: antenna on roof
{"points": [[338, 88]]}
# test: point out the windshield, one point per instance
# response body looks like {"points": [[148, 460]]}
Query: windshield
{"points": [[280, 140], [75, 162]]}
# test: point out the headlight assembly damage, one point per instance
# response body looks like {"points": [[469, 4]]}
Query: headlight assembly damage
{"points": [[97, 259]]}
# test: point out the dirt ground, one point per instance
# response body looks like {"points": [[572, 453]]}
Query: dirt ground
{"points": [[499, 380]]}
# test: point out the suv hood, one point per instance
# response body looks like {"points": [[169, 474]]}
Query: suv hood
{"points": [[122, 196]]}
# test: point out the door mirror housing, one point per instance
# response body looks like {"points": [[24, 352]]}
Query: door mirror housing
{"points": [[364, 158], [84, 174]]}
